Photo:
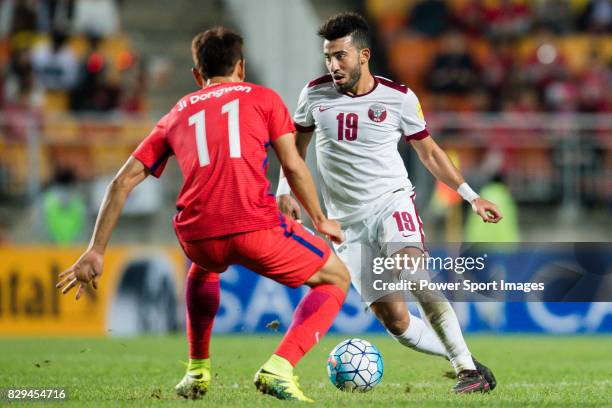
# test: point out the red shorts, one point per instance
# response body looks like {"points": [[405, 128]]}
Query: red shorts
{"points": [[287, 254]]}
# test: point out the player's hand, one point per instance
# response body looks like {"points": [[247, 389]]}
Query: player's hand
{"points": [[487, 210], [332, 229], [288, 206], [87, 269]]}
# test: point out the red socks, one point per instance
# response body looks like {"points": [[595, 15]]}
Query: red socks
{"points": [[202, 299], [311, 320]]}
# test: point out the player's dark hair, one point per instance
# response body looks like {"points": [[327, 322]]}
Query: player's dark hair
{"points": [[216, 51], [344, 24]]}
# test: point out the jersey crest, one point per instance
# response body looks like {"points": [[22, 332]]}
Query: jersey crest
{"points": [[377, 112]]}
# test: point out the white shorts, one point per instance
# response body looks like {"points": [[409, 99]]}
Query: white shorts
{"points": [[396, 226]]}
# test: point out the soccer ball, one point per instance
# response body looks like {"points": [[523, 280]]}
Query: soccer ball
{"points": [[355, 365]]}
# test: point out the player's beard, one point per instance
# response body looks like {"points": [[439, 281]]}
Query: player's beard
{"points": [[353, 77]]}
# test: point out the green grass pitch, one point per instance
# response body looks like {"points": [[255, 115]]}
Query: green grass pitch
{"points": [[531, 371]]}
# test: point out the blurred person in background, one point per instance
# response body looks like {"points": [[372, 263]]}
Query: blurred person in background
{"points": [[597, 17], [134, 85], [545, 65], [94, 91], [453, 71], [554, 15], [561, 93], [19, 17], [99, 17], [23, 98], [429, 17], [64, 209], [41, 16], [498, 70], [508, 18], [55, 13], [55, 63], [596, 85], [471, 17], [496, 190]]}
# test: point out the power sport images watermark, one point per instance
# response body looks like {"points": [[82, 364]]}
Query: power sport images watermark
{"points": [[411, 274], [520, 272]]}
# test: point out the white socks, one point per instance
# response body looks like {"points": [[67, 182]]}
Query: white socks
{"points": [[443, 320], [438, 331], [420, 337]]}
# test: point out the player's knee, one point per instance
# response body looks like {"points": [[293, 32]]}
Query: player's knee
{"points": [[340, 274], [333, 273], [397, 324], [338, 277], [344, 279]]}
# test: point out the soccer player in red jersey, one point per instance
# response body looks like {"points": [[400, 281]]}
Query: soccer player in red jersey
{"points": [[220, 135]]}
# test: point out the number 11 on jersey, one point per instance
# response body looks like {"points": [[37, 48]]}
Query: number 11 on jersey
{"points": [[233, 128]]}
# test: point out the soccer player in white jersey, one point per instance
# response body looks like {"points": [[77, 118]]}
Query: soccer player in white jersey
{"points": [[358, 119]]}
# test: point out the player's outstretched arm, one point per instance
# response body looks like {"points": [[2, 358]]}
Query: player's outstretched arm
{"points": [[88, 267], [439, 164], [300, 180], [286, 203]]}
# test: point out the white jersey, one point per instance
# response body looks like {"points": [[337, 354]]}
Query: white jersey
{"points": [[358, 162]]}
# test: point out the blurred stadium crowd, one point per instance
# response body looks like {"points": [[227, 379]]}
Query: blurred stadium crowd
{"points": [[60, 62], [58, 56], [500, 55]]}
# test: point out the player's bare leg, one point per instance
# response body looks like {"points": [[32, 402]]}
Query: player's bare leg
{"points": [[392, 311], [313, 317]]}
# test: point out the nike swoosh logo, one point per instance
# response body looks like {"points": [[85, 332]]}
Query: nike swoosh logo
{"points": [[196, 376], [324, 108], [406, 236]]}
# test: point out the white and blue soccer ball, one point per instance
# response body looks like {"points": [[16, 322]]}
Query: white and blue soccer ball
{"points": [[355, 365]]}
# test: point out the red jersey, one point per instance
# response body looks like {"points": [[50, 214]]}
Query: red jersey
{"points": [[220, 136]]}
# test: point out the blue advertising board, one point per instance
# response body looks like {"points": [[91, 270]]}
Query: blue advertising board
{"points": [[250, 302]]}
